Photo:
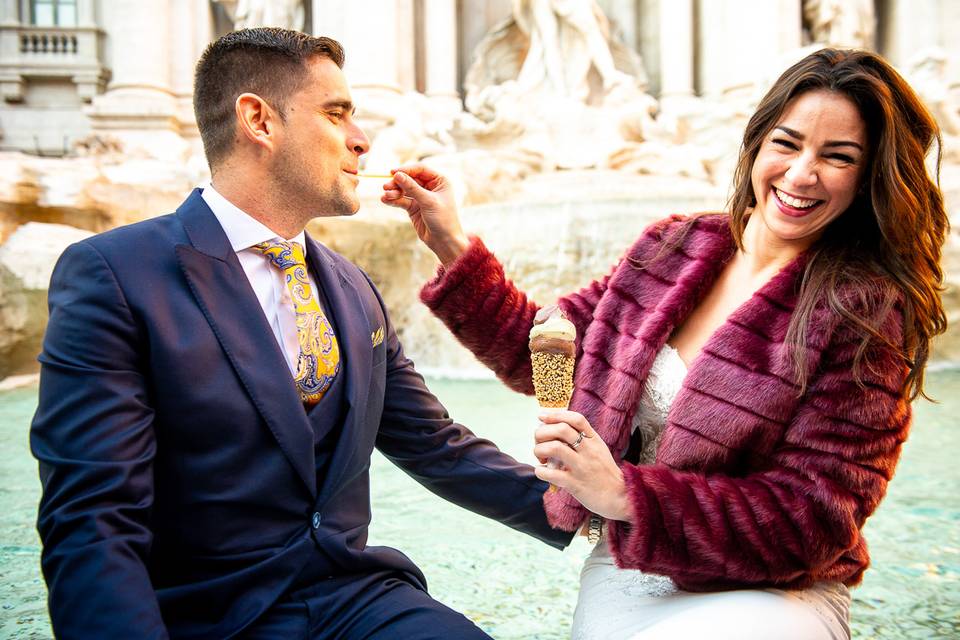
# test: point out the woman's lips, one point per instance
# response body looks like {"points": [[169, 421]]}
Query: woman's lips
{"points": [[789, 210]]}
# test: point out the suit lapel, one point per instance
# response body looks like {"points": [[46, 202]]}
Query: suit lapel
{"points": [[353, 336], [223, 293]]}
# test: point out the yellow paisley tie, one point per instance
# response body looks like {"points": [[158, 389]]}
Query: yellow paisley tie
{"points": [[319, 359]]}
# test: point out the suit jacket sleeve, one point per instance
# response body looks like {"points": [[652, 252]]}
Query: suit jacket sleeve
{"points": [[417, 435], [492, 317], [93, 436]]}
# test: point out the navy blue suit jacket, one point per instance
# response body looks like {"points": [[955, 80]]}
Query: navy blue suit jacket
{"points": [[180, 493]]}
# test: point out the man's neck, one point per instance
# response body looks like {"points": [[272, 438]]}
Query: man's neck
{"points": [[259, 205]]}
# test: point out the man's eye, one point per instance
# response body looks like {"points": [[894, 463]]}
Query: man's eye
{"points": [[335, 114]]}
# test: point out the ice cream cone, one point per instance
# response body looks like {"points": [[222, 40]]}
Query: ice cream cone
{"points": [[552, 357]]}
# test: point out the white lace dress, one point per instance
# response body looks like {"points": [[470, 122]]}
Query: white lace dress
{"points": [[632, 605]]}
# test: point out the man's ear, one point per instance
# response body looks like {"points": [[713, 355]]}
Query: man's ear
{"points": [[257, 120]]}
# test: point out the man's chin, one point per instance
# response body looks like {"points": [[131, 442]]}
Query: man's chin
{"points": [[340, 208]]}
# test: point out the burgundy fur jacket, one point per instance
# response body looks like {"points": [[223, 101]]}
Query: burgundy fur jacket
{"points": [[753, 484]]}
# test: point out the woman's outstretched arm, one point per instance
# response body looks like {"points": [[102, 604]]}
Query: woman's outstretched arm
{"points": [[471, 294]]}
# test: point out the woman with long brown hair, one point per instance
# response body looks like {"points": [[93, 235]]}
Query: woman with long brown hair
{"points": [[743, 380]]}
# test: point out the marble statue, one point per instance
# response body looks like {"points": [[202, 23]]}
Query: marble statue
{"points": [[555, 84], [565, 38], [553, 49], [927, 72], [288, 14], [841, 23]]}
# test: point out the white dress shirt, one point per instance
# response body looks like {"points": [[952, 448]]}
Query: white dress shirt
{"points": [[267, 281]]}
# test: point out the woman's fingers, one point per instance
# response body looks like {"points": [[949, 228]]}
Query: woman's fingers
{"points": [[555, 449], [411, 186], [561, 431], [421, 174], [417, 171], [428, 194], [400, 201], [556, 477], [574, 420]]}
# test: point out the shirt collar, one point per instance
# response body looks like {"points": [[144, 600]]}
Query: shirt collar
{"points": [[243, 231]]}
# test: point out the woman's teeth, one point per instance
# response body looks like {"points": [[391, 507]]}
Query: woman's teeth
{"points": [[796, 203]]}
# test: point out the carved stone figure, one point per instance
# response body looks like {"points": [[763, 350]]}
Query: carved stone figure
{"points": [[566, 37], [288, 14], [841, 23], [927, 71], [553, 48]]}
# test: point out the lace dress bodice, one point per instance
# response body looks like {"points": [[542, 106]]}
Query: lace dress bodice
{"points": [[663, 383], [617, 604]]}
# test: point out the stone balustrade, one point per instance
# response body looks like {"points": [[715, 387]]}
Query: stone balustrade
{"points": [[46, 41], [75, 53]]}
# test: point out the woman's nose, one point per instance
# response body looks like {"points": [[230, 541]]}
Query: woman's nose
{"points": [[802, 171]]}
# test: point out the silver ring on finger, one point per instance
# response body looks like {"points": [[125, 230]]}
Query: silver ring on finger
{"points": [[576, 443]]}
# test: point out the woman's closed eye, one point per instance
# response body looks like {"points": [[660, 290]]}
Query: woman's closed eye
{"points": [[785, 143], [842, 157]]}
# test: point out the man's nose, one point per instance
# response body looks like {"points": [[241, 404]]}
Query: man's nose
{"points": [[357, 141], [803, 171]]}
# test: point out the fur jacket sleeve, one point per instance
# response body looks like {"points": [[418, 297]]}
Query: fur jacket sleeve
{"points": [[473, 296], [754, 484]]}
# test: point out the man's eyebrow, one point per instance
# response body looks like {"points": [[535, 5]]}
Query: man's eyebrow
{"points": [[346, 105], [829, 143]]}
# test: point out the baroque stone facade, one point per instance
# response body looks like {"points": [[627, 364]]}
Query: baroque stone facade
{"points": [[570, 123], [125, 66]]}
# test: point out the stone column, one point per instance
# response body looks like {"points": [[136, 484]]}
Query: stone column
{"points": [[477, 18], [11, 82], [193, 33], [194, 30], [139, 106], [191, 18], [918, 37], [949, 21], [676, 49], [86, 15], [91, 80], [9, 13], [743, 42], [380, 63], [377, 56], [909, 27], [440, 42]]}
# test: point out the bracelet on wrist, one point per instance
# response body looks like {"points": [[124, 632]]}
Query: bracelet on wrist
{"points": [[594, 529]]}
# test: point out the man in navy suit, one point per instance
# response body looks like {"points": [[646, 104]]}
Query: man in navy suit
{"points": [[208, 405]]}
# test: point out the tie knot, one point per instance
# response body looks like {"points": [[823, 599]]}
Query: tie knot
{"points": [[282, 254]]}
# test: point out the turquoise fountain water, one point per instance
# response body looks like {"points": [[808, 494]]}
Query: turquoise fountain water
{"points": [[516, 588]]}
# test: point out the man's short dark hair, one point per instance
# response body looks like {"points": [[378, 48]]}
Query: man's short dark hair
{"points": [[267, 61]]}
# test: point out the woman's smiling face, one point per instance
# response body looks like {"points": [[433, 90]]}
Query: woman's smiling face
{"points": [[808, 168]]}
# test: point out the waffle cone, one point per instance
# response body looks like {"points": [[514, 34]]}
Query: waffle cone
{"points": [[552, 379]]}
